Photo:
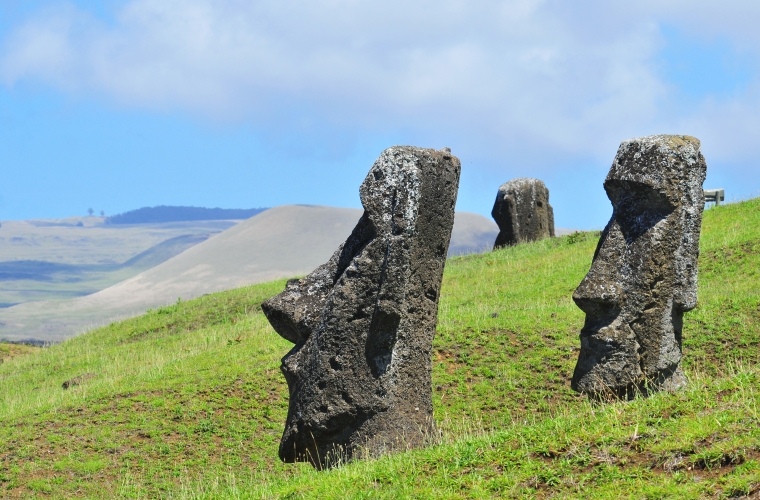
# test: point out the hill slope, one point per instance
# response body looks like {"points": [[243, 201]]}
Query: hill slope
{"points": [[188, 400], [281, 242]]}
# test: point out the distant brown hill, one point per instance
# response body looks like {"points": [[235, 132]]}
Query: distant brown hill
{"points": [[280, 242]]}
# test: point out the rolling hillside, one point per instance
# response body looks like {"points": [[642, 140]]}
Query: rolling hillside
{"points": [[187, 401], [281, 242]]}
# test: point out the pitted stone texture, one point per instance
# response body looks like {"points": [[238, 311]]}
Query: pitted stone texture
{"points": [[363, 323], [522, 212], [644, 273]]}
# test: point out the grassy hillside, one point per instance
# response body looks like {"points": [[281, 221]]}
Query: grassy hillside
{"points": [[188, 401]]}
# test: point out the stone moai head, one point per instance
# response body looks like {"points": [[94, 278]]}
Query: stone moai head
{"points": [[522, 212], [359, 374], [644, 273]]}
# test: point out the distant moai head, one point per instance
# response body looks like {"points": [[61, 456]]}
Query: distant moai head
{"points": [[644, 272], [522, 212], [359, 374]]}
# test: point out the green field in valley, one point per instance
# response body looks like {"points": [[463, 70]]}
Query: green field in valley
{"points": [[187, 401], [61, 259]]}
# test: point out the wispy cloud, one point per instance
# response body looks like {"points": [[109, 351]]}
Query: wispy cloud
{"points": [[538, 80]]}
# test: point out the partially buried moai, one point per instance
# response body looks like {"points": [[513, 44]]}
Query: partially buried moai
{"points": [[363, 323], [644, 272], [522, 212]]}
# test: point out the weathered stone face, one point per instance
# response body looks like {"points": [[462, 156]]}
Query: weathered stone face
{"points": [[522, 212], [644, 273], [363, 323]]}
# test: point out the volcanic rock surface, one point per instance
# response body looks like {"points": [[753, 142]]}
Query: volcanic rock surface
{"points": [[363, 323], [644, 273], [522, 212]]}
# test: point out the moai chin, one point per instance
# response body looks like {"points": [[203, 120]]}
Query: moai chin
{"points": [[522, 212], [359, 374], [644, 273]]}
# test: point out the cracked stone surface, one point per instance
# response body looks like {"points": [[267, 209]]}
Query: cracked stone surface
{"points": [[359, 374], [522, 212], [644, 272]]}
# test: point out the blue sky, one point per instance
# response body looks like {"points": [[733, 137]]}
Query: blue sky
{"points": [[116, 105]]}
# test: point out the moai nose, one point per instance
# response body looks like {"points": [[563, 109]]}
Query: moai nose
{"points": [[597, 299], [600, 292]]}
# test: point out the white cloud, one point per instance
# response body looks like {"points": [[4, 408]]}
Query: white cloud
{"points": [[537, 79]]}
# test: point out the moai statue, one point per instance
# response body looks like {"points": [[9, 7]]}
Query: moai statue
{"points": [[522, 212], [363, 323], [644, 273]]}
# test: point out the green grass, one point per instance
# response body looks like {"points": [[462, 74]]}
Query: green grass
{"points": [[670, 446], [188, 400]]}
